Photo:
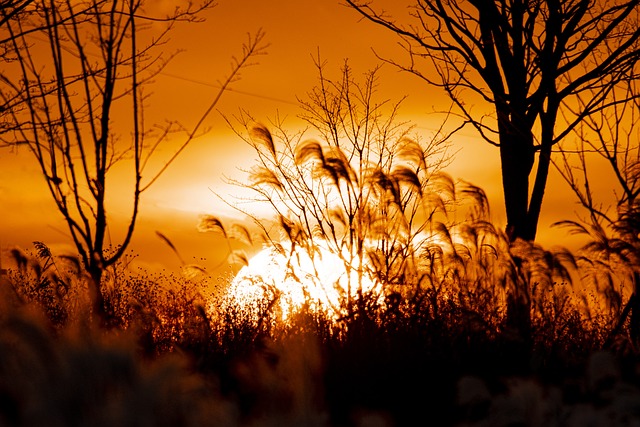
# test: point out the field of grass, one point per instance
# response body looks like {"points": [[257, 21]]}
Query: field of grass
{"points": [[176, 352]]}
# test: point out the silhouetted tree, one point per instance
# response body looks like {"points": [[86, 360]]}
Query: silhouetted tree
{"points": [[607, 149], [359, 187], [74, 96], [528, 61]]}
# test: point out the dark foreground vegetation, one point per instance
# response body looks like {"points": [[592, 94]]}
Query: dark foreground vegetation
{"points": [[174, 352]]}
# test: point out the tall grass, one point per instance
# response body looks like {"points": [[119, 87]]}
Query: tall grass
{"points": [[445, 353]]}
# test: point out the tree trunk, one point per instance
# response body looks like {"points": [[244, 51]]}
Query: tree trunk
{"points": [[95, 294], [515, 182], [634, 322], [517, 158], [518, 316], [547, 122]]}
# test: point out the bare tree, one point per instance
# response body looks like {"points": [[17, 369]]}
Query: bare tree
{"points": [[607, 149], [527, 61], [74, 95], [355, 184]]}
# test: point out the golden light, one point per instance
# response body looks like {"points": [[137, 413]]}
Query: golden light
{"points": [[322, 280]]}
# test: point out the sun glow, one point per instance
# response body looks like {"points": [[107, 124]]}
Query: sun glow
{"points": [[322, 280]]}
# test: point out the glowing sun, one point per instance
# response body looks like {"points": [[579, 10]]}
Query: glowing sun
{"points": [[323, 280]]}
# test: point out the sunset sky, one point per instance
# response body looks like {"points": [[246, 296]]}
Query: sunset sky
{"points": [[296, 31]]}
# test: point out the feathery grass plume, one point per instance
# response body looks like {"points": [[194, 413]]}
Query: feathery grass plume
{"points": [[242, 233], [239, 257], [262, 135], [412, 152], [387, 185], [208, 223], [261, 175], [169, 243], [338, 166], [309, 151], [480, 203], [406, 175], [43, 252], [191, 271], [20, 258]]}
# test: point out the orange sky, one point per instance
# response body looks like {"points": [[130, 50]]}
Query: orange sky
{"points": [[295, 29]]}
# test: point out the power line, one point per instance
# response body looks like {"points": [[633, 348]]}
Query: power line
{"points": [[217, 86], [200, 82]]}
